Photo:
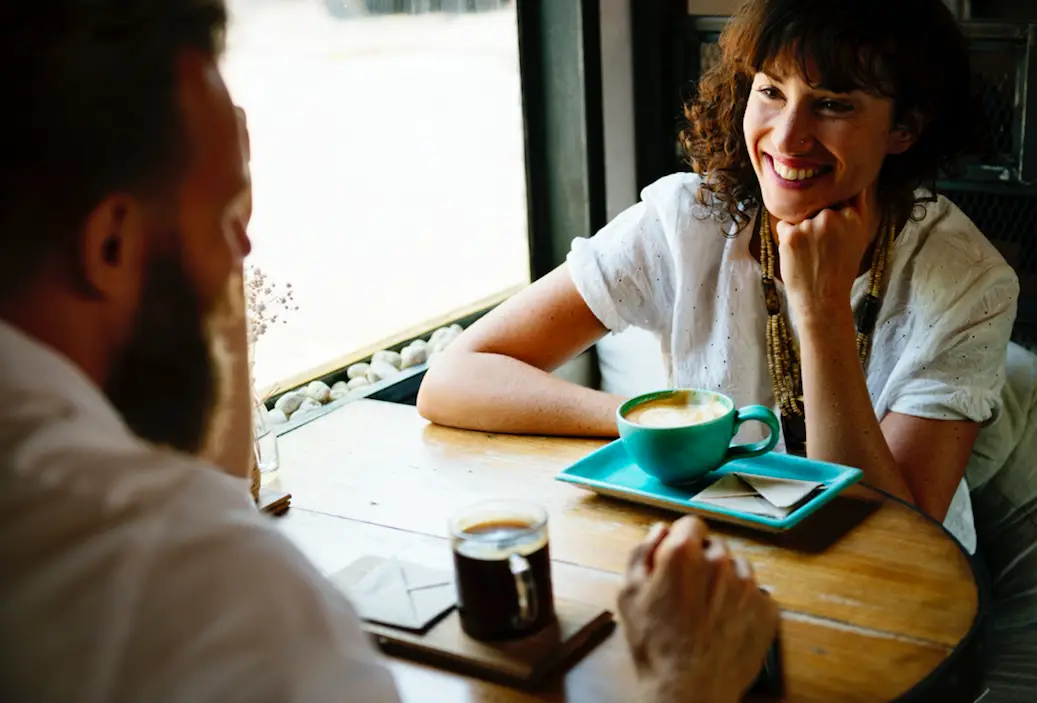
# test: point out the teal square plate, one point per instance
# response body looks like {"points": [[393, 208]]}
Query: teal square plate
{"points": [[610, 471]]}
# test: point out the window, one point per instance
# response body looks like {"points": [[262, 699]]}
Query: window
{"points": [[388, 168]]}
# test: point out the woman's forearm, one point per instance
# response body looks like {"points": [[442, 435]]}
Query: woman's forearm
{"points": [[841, 423], [496, 393]]}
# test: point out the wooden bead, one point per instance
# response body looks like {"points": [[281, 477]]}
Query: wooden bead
{"points": [[783, 363]]}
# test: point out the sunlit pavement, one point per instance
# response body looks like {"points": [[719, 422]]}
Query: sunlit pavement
{"points": [[388, 168]]}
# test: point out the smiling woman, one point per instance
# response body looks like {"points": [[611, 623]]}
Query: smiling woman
{"points": [[807, 264], [836, 88]]}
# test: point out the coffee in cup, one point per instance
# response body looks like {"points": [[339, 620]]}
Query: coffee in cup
{"points": [[677, 411], [679, 435], [502, 566]]}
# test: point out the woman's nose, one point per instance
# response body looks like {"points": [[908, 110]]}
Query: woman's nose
{"points": [[795, 131]]}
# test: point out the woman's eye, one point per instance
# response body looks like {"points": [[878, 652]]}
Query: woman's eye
{"points": [[769, 92], [835, 106]]}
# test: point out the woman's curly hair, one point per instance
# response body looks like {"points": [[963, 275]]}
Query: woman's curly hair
{"points": [[911, 51]]}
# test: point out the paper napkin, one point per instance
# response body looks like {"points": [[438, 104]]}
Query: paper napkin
{"points": [[402, 594], [759, 495]]}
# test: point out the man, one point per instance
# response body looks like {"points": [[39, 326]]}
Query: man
{"points": [[134, 565]]}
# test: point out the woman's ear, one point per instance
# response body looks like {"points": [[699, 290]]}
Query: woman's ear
{"points": [[904, 134]]}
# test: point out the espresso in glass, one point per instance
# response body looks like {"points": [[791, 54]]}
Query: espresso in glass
{"points": [[503, 570]]}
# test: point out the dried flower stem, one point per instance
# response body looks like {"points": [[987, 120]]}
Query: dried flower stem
{"points": [[266, 304]]}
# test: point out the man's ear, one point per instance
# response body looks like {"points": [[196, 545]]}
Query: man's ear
{"points": [[905, 133], [111, 247]]}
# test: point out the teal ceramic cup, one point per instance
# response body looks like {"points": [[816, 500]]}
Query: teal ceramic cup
{"points": [[682, 453]]}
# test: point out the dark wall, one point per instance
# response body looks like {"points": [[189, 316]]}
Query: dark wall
{"points": [[1006, 10]]}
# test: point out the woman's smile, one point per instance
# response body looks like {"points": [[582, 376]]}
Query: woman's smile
{"points": [[796, 174], [812, 147]]}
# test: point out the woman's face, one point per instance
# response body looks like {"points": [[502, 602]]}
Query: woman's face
{"points": [[812, 148]]}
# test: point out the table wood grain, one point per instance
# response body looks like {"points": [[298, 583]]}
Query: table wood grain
{"points": [[874, 595]]}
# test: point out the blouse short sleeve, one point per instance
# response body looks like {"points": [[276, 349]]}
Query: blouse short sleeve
{"points": [[963, 309], [626, 272]]}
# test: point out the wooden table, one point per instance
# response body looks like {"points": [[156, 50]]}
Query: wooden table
{"points": [[875, 597]]}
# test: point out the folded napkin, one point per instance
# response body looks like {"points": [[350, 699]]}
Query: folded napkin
{"points": [[759, 495], [401, 594]]}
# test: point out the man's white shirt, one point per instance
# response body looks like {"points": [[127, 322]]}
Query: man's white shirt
{"points": [[129, 572]]}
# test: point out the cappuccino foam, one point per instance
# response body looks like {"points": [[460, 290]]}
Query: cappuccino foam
{"points": [[676, 413]]}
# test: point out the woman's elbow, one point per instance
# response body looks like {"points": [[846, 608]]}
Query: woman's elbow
{"points": [[437, 393], [430, 405]]}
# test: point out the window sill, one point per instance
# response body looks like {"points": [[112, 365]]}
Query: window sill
{"points": [[402, 388]]}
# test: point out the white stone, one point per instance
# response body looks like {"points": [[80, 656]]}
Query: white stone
{"points": [[419, 343], [381, 370], [308, 407], [290, 402], [358, 382], [412, 355], [443, 342], [318, 391], [357, 370], [438, 335], [340, 386], [276, 417], [339, 392], [388, 356], [456, 329]]}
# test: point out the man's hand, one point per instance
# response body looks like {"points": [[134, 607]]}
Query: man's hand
{"points": [[230, 445], [246, 153], [696, 622]]}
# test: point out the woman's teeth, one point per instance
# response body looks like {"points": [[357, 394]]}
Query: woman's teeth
{"points": [[794, 174]]}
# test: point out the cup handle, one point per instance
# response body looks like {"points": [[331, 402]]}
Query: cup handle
{"points": [[761, 414], [525, 586]]}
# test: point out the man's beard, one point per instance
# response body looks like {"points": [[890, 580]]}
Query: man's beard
{"points": [[169, 381]]}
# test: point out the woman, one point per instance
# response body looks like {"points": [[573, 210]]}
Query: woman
{"points": [[808, 267]]}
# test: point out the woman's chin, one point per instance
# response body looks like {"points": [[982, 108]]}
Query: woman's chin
{"points": [[791, 214]]}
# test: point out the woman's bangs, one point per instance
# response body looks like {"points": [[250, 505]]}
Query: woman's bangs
{"points": [[828, 58]]}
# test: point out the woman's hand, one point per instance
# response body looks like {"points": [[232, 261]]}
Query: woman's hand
{"points": [[821, 257]]}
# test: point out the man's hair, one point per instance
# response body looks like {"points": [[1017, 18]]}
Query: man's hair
{"points": [[911, 51], [90, 108]]}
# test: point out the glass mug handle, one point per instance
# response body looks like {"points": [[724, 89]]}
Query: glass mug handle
{"points": [[525, 586]]}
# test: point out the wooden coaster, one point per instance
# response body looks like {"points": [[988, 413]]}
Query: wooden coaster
{"points": [[523, 663], [274, 502]]}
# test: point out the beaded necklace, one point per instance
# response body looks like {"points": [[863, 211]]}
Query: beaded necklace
{"points": [[782, 351]]}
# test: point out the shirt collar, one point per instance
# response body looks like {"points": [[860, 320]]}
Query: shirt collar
{"points": [[29, 368]]}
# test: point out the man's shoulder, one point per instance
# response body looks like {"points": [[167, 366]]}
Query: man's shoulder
{"points": [[148, 554], [57, 455]]}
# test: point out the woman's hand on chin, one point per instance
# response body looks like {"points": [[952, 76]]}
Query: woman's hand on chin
{"points": [[821, 257]]}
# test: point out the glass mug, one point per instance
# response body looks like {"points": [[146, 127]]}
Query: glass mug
{"points": [[264, 442], [502, 568]]}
